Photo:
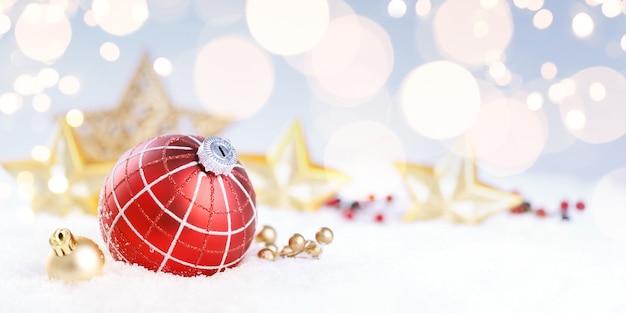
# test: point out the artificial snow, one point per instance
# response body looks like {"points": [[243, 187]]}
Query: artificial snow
{"points": [[510, 263]]}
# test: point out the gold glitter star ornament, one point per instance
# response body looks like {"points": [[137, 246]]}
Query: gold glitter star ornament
{"points": [[144, 111], [65, 182], [451, 190], [287, 178]]}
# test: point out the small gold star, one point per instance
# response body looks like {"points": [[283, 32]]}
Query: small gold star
{"points": [[66, 181], [451, 190], [286, 177]]}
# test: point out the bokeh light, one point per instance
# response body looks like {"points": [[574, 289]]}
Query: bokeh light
{"points": [[120, 17], [440, 99], [423, 7], [74, 117], [41, 102], [396, 8], [43, 32], [48, 77], [58, 184], [523, 143], [608, 205], [482, 30], [534, 5], [69, 85], [542, 19], [354, 74], [548, 70], [534, 101], [612, 8], [10, 103], [90, 19], [26, 85], [40, 153], [600, 97], [569, 86], [597, 92], [575, 119], [488, 4], [25, 178], [5, 5], [233, 77], [163, 66], [559, 136], [504, 79], [337, 47], [366, 151], [490, 128], [287, 27], [582, 25], [219, 12], [594, 3], [497, 70], [556, 93], [109, 51], [5, 24], [521, 4], [328, 117]]}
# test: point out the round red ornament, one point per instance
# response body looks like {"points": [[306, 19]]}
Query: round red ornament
{"points": [[178, 204]]}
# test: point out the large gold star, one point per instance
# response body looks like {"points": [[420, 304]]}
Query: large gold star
{"points": [[143, 112], [286, 177], [451, 190], [66, 181]]}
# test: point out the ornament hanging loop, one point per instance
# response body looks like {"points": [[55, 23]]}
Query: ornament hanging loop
{"points": [[62, 242], [217, 155]]}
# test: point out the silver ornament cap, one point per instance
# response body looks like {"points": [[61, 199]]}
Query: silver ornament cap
{"points": [[217, 155]]}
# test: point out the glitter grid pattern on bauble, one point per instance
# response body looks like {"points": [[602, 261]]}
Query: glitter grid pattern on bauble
{"points": [[160, 210]]}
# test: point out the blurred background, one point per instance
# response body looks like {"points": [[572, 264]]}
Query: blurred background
{"points": [[538, 87]]}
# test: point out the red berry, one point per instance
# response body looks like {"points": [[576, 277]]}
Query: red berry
{"points": [[564, 206], [580, 205], [333, 202], [389, 198], [348, 214], [541, 213], [379, 218]]}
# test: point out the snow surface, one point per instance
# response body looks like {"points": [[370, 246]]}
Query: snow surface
{"points": [[510, 263]]}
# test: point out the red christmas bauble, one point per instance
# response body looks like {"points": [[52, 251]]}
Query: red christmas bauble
{"points": [[167, 209]]}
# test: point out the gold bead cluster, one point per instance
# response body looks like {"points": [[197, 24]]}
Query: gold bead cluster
{"points": [[297, 244]]}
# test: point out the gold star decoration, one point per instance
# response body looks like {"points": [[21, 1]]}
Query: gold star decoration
{"points": [[66, 181], [143, 112], [286, 177], [451, 190]]}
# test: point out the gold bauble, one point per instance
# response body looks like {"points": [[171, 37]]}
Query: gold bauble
{"points": [[266, 235], [267, 254], [73, 258], [324, 235], [272, 247], [297, 242], [286, 251], [312, 249]]}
